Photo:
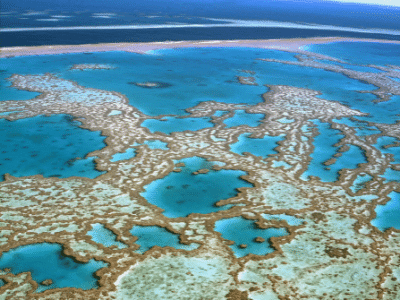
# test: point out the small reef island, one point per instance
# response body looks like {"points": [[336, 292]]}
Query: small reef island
{"points": [[244, 169]]}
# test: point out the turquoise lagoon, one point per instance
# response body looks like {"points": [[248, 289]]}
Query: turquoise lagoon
{"points": [[388, 215], [360, 182], [391, 175], [193, 75], [259, 147], [150, 236], [131, 152], [2, 283], [241, 117], [50, 146], [128, 154], [46, 261], [243, 231], [104, 236], [383, 141], [325, 149], [361, 127], [183, 193]]}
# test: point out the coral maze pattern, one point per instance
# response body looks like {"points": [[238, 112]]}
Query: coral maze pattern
{"points": [[333, 253]]}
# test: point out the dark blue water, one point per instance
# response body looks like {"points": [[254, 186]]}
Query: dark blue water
{"points": [[77, 37], [50, 146], [320, 12], [46, 261]]}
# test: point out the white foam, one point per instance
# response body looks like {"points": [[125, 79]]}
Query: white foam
{"points": [[226, 23], [48, 20]]}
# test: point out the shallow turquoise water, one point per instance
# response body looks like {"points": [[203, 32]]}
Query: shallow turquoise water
{"points": [[391, 175], [131, 152], [2, 283], [243, 231], [360, 182], [46, 261], [195, 75], [128, 154], [352, 67], [220, 113], [7, 92], [361, 127], [150, 236], [241, 117], [395, 79], [7, 113], [173, 124], [156, 144], [191, 75], [372, 53], [324, 150], [349, 159], [258, 147], [382, 112], [183, 193], [388, 140], [388, 215], [104, 236], [48, 146]]}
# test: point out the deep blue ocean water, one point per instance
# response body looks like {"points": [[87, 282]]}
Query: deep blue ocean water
{"points": [[50, 146], [46, 261], [77, 37], [46, 13]]}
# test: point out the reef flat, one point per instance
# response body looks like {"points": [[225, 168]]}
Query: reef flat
{"points": [[307, 171]]}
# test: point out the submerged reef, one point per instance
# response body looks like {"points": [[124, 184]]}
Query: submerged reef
{"points": [[284, 198]]}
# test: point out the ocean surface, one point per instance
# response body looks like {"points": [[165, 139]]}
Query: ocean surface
{"points": [[268, 20]]}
